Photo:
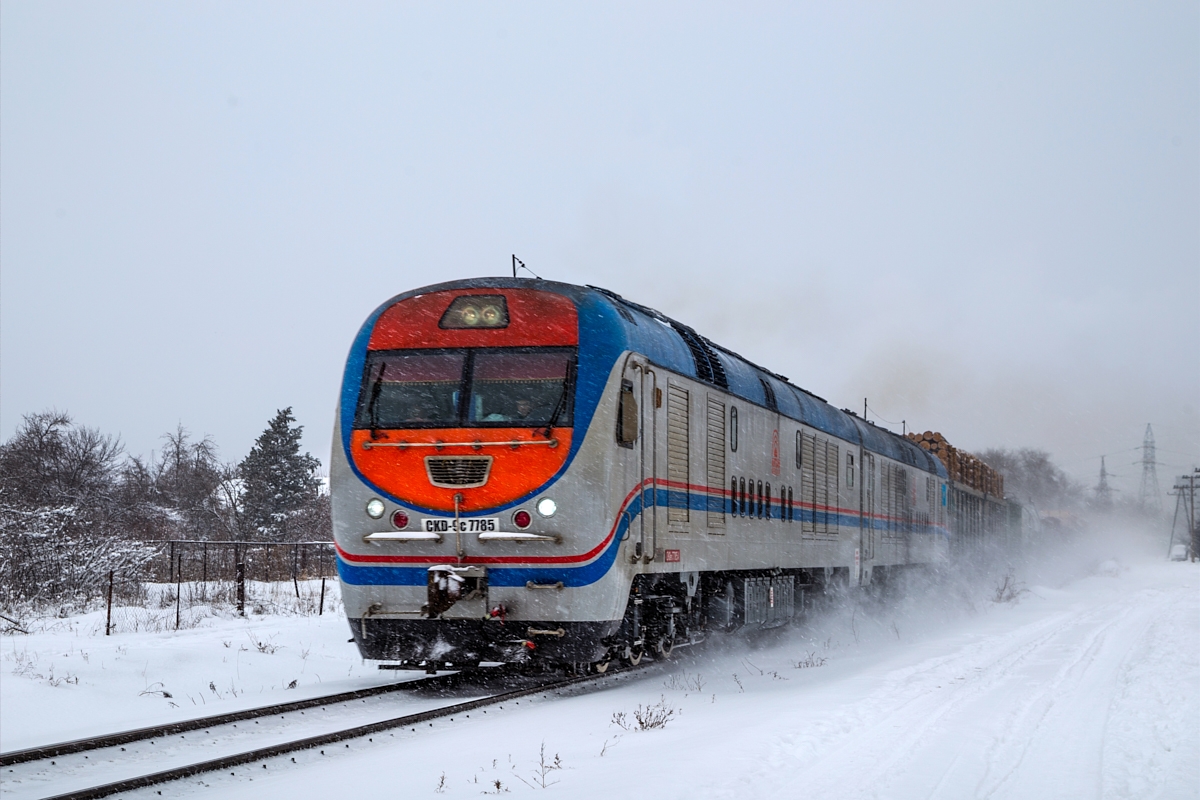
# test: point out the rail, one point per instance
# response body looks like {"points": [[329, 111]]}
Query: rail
{"points": [[310, 742], [184, 726]]}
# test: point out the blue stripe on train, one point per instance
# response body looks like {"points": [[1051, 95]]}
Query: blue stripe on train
{"points": [[593, 571]]}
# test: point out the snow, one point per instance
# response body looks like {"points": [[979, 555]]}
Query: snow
{"points": [[68, 680], [1086, 684]]}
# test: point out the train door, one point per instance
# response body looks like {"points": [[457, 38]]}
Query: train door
{"points": [[641, 382]]}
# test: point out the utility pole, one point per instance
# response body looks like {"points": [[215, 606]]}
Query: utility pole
{"points": [[1149, 495], [1185, 501]]}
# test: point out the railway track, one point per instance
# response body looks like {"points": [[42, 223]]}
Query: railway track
{"points": [[200, 723], [104, 766]]}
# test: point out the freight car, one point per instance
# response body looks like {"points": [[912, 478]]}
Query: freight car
{"points": [[525, 469]]}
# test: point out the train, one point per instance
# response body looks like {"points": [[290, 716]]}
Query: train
{"points": [[526, 471]]}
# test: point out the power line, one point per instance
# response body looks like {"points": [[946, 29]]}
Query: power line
{"points": [[878, 416], [1115, 453]]}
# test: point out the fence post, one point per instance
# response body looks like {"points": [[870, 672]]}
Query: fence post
{"points": [[321, 608], [108, 618], [240, 568], [171, 561], [178, 587]]}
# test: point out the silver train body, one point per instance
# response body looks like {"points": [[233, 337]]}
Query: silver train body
{"points": [[673, 490]]}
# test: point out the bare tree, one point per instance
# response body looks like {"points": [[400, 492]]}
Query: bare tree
{"points": [[1031, 475], [52, 460], [184, 493], [61, 516]]}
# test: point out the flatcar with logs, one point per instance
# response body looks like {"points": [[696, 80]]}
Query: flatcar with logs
{"points": [[525, 470]]}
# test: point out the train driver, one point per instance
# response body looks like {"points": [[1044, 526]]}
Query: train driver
{"points": [[525, 410]]}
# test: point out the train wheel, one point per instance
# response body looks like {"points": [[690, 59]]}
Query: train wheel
{"points": [[664, 646], [600, 667], [633, 655]]}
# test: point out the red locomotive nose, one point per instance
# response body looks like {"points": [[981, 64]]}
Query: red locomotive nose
{"points": [[467, 376]]}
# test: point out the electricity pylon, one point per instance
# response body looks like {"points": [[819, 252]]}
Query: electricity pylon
{"points": [[1103, 490], [1149, 496]]}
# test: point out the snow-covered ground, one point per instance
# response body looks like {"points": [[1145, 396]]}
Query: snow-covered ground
{"points": [[68, 680], [1087, 685]]}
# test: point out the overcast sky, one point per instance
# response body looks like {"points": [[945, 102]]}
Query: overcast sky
{"points": [[983, 217]]}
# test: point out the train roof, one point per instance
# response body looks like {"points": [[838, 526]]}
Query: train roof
{"points": [[679, 347]]}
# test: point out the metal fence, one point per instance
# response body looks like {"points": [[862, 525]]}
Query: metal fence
{"points": [[204, 561], [190, 573]]}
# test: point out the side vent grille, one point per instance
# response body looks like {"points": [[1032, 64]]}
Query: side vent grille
{"points": [[678, 440], [808, 481], [715, 451], [458, 472]]}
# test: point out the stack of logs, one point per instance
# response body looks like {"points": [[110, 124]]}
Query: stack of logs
{"points": [[961, 465]]}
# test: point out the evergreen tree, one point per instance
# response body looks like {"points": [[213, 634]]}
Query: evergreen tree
{"points": [[279, 483]]}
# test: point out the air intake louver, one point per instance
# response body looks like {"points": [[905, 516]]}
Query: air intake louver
{"points": [[458, 472], [769, 394], [708, 366]]}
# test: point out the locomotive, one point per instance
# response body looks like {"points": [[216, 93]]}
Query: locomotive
{"points": [[525, 470]]}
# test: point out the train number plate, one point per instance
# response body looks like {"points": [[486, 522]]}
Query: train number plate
{"points": [[472, 525]]}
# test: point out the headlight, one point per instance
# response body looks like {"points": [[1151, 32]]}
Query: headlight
{"points": [[476, 311], [490, 316], [375, 508], [546, 507], [522, 519]]}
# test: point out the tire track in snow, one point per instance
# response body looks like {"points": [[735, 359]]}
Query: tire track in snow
{"points": [[1027, 724], [915, 700], [1013, 709], [858, 737], [1152, 717], [923, 741]]}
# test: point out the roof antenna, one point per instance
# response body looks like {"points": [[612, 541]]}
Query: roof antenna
{"points": [[519, 264]]}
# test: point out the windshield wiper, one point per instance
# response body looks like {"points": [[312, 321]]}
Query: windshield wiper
{"points": [[372, 406], [559, 408]]}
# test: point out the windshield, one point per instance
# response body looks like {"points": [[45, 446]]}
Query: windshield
{"points": [[405, 390], [502, 387], [519, 388]]}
